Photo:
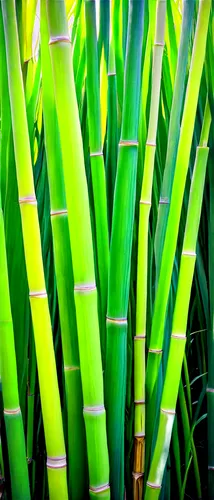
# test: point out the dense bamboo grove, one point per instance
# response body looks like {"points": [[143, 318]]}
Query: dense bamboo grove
{"points": [[106, 249]]}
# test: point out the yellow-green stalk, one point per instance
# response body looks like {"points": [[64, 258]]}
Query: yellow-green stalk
{"points": [[64, 275], [145, 205], [50, 400], [12, 411]]}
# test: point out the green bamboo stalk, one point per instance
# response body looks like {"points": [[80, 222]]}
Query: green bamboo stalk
{"points": [[119, 59], [120, 252], [178, 336], [12, 411], [85, 292], [145, 205], [183, 155], [64, 275], [174, 131], [112, 136], [143, 125], [97, 161], [56, 461]]}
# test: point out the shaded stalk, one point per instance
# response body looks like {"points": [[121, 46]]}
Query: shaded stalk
{"points": [[145, 206], [51, 410], [85, 292], [120, 252]]}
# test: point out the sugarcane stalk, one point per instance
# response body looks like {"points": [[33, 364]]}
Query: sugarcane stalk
{"points": [[51, 410], [183, 155], [85, 291], [145, 205], [180, 316], [97, 161], [120, 252], [64, 275]]}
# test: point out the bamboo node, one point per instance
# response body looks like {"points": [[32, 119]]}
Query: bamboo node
{"points": [[71, 368], [117, 321], [85, 287], [139, 337], [56, 462], [96, 153], [209, 389], [28, 200], [189, 253], [59, 38], [54, 213], [40, 294], [159, 44], [99, 489], [168, 412], [127, 143], [164, 201], [15, 411], [178, 336], [31, 394], [151, 143], [139, 434], [145, 202], [153, 485], [29, 460], [137, 475], [94, 409], [139, 401], [210, 467], [155, 351], [112, 73]]}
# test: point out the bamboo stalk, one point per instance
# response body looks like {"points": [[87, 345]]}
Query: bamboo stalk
{"points": [[174, 130], [112, 140], [97, 161], [141, 306], [184, 147], [178, 336], [85, 292], [56, 460], [12, 411], [120, 252], [64, 276]]}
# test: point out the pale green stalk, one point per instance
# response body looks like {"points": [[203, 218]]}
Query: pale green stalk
{"points": [[85, 291]]}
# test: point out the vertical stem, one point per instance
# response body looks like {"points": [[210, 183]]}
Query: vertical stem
{"points": [[145, 205], [120, 251], [97, 161], [183, 155], [85, 291], [51, 410], [64, 275]]}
